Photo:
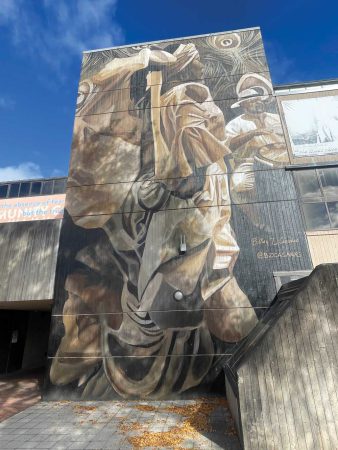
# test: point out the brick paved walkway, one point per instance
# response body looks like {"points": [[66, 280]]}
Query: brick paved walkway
{"points": [[201, 423], [19, 392]]}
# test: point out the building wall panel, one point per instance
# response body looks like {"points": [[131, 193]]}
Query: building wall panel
{"points": [[293, 400], [28, 253], [323, 246]]}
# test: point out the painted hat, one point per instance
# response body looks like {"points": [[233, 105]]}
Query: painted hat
{"points": [[252, 85]]}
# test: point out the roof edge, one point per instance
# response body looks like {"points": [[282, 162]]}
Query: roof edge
{"points": [[28, 180], [300, 84], [171, 39]]}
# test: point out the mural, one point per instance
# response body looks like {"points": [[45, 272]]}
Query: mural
{"points": [[314, 137], [176, 147], [312, 123]]}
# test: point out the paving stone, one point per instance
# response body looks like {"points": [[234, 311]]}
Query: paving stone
{"points": [[74, 426], [29, 444], [60, 447]]}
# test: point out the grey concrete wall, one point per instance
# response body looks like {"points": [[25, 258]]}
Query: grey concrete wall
{"points": [[28, 253]]}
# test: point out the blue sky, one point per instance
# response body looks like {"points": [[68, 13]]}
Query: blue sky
{"points": [[40, 55]]}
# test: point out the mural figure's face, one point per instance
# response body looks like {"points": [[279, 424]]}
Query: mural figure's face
{"points": [[193, 71], [253, 106], [197, 68]]}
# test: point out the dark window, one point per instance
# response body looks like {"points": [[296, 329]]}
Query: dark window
{"points": [[24, 189], [47, 187], [14, 190], [3, 190], [318, 190], [36, 188], [32, 188], [59, 186]]}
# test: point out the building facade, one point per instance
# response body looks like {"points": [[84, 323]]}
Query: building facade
{"points": [[30, 221], [195, 191], [184, 213]]}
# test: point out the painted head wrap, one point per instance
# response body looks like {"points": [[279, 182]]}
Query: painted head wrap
{"points": [[184, 54]]}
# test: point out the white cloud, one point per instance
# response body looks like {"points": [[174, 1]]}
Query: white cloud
{"points": [[58, 30], [57, 173], [23, 171]]}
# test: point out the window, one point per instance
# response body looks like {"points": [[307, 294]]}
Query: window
{"points": [[318, 190], [32, 188], [309, 185], [286, 277], [316, 216], [36, 188], [24, 189], [47, 188], [14, 190], [59, 186], [333, 211], [3, 190], [329, 182]]}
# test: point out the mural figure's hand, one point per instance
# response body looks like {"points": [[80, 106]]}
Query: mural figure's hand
{"points": [[243, 179], [152, 194]]}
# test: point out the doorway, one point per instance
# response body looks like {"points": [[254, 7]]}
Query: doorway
{"points": [[23, 340]]}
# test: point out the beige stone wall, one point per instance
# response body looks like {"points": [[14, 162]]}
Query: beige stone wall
{"points": [[323, 246]]}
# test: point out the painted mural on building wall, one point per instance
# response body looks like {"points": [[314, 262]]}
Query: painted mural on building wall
{"points": [[169, 242]]}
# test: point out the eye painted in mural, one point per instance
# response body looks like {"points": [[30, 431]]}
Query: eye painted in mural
{"points": [[167, 138]]}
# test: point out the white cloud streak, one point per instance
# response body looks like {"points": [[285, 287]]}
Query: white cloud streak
{"points": [[57, 173], [23, 171], [57, 30]]}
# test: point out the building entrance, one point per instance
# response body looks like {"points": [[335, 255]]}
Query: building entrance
{"points": [[23, 340]]}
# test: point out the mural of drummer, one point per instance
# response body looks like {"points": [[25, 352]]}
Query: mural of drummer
{"points": [[256, 135]]}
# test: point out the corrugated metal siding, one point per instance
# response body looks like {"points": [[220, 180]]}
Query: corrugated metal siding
{"points": [[28, 252]]}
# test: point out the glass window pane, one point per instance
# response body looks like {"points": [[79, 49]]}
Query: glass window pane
{"points": [[316, 216], [3, 190], [36, 188], [333, 211], [47, 188], [59, 186], [329, 179], [14, 190], [308, 184], [24, 189]]}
